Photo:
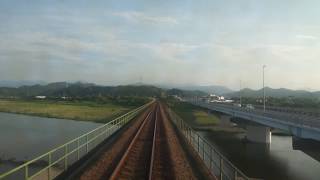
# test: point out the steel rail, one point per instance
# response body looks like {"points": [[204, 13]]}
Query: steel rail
{"points": [[153, 144], [117, 171]]}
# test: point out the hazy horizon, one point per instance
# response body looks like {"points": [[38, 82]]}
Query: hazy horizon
{"points": [[180, 42], [18, 83]]}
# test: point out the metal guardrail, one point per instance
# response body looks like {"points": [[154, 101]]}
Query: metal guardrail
{"points": [[283, 118], [218, 165], [56, 161]]}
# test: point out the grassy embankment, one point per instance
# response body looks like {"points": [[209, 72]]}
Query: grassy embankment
{"points": [[80, 110], [200, 118]]}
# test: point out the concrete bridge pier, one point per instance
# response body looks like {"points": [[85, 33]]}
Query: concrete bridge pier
{"points": [[225, 120], [259, 134]]}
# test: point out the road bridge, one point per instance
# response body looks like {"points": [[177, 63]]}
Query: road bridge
{"points": [[300, 124]]}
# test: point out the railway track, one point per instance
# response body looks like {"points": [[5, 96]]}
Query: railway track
{"points": [[105, 161], [161, 164], [148, 149], [139, 161]]}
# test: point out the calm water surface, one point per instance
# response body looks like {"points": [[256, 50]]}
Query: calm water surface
{"points": [[278, 161], [26, 137]]}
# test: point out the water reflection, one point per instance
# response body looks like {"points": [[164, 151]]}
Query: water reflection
{"points": [[275, 161], [25, 137]]}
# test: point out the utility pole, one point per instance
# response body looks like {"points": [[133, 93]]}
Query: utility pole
{"points": [[240, 93], [264, 89]]}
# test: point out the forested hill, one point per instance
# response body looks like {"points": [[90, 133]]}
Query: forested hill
{"points": [[276, 93], [64, 89]]}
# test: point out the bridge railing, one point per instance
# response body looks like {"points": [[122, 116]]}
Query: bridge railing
{"points": [[218, 164], [296, 119], [56, 161]]}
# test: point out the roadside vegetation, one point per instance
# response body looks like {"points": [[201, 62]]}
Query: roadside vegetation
{"points": [[200, 118], [97, 110], [193, 115]]}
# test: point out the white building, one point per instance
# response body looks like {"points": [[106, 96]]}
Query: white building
{"points": [[41, 97]]}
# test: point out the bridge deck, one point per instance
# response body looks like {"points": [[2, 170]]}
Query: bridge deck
{"points": [[304, 125]]}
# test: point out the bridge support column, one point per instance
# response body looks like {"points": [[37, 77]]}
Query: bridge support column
{"points": [[259, 134], [225, 120]]}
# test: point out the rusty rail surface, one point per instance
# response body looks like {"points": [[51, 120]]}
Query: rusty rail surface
{"points": [[124, 168]]}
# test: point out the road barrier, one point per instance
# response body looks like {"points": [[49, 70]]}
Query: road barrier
{"points": [[218, 165], [56, 161]]}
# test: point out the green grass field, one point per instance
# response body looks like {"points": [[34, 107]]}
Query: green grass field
{"points": [[199, 118], [84, 111], [203, 118], [193, 115]]}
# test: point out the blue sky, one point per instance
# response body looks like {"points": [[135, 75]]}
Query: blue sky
{"points": [[164, 42]]}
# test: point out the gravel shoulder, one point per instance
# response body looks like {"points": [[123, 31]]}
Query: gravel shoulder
{"points": [[187, 163]]}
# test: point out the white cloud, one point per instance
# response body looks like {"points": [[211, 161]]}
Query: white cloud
{"points": [[146, 18], [306, 37], [204, 49]]}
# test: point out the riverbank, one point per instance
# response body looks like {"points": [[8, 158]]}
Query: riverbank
{"points": [[193, 115], [201, 119], [79, 110], [280, 157]]}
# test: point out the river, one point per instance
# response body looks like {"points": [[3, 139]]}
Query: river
{"points": [[277, 161], [24, 137]]}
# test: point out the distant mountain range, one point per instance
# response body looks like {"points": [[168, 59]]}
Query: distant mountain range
{"points": [[58, 89], [4, 83], [185, 93], [212, 89], [61, 89], [278, 93]]}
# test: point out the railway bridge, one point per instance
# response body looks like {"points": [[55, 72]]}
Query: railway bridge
{"points": [[150, 142]]}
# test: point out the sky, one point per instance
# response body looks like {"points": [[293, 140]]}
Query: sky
{"points": [[204, 42]]}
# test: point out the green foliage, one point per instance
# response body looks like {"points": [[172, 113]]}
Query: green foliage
{"points": [[185, 93], [131, 95], [193, 115], [76, 90], [277, 93]]}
